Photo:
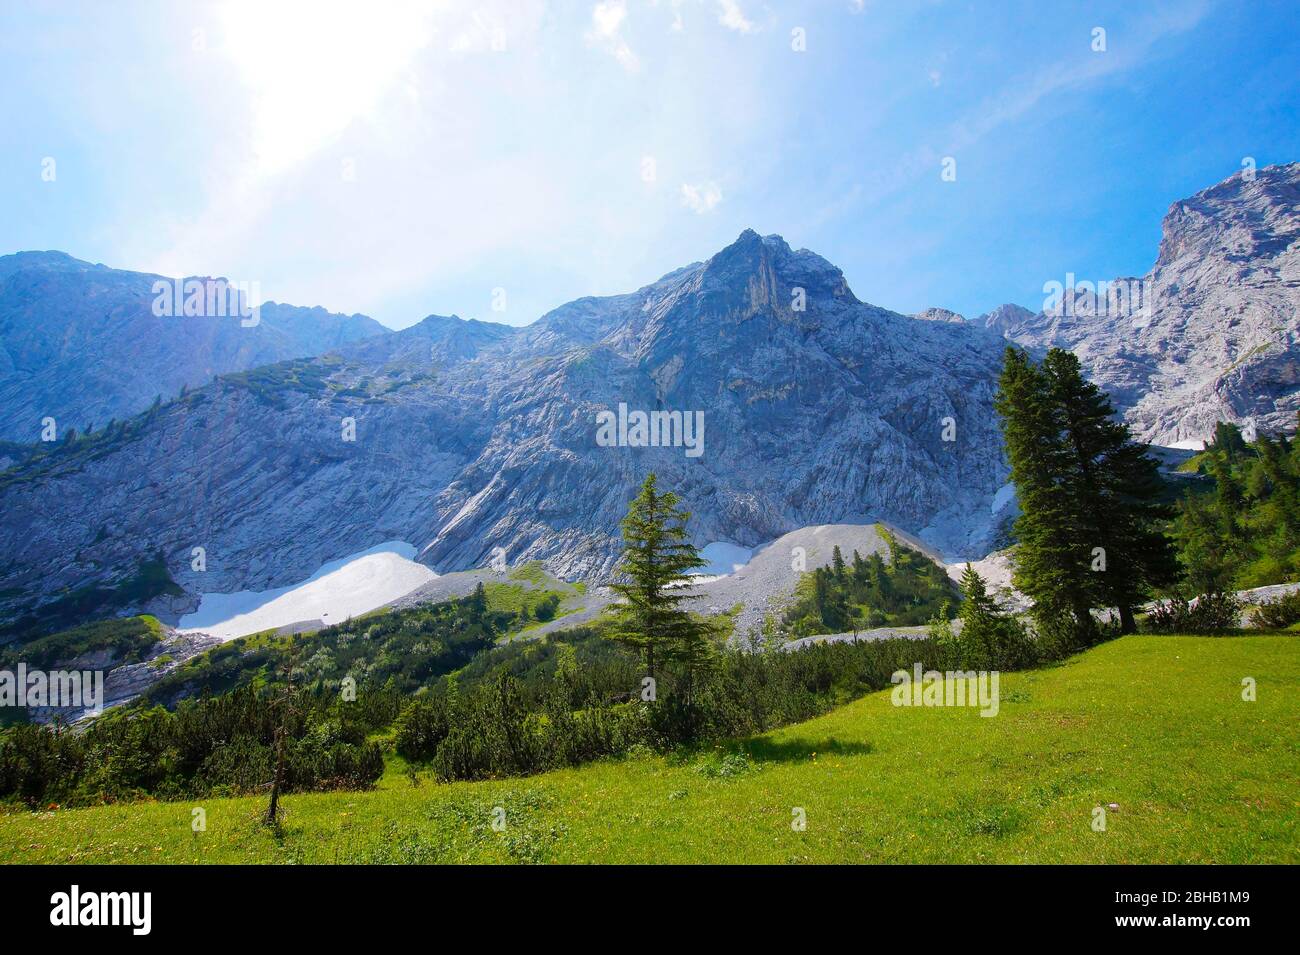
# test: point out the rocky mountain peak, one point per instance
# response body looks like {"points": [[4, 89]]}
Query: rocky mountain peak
{"points": [[939, 315], [1247, 217], [1211, 332], [1005, 319]]}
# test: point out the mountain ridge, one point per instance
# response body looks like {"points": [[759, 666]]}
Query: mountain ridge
{"points": [[83, 343], [472, 437], [1216, 331], [818, 408]]}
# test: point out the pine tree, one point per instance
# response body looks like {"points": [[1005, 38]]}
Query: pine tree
{"points": [[831, 600], [1229, 501], [859, 568], [1050, 565], [1228, 440], [877, 580], [657, 556], [977, 607], [1089, 531], [1282, 495], [1210, 559], [478, 602], [989, 637], [1115, 491]]}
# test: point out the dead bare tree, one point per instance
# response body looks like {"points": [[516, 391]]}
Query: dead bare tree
{"points": [[281, 732]]}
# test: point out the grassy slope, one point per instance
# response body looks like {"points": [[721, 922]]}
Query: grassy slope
{"points": [[1155, 724]]}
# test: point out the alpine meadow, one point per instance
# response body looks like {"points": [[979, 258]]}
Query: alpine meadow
{"points": [[447, 464]]}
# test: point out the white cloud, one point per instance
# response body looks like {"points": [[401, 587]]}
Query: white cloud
{"points": [[1084, 69], [311, 68], [733, 18], [702, 198], [606, 33]]}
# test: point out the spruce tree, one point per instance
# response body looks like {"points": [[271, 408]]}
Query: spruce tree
{"points": [[977, 607], [1210, 559], [1228, 439], [859, 568], [657, 556], [978, 615], [1089, 532], [1050, 559], [1114, 490], [989, 637]]}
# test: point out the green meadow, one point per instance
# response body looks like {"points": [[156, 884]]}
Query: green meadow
{"points": [[1155, 727]]}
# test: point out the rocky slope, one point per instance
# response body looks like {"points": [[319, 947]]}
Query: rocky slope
{"points": [[80, 343], [470, 436], [1215, 334], [462, 437]]}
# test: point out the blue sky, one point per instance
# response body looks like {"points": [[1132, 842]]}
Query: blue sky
{"points": [[400, 159]]}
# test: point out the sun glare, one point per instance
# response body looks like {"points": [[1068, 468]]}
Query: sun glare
{"points": [[312, 67]]}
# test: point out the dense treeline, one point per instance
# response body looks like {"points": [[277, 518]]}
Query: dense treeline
{"points": [[213, 745], [909, 590], [408, 648], [525, 719], [575, 698], [1246, 532], [541, 708], [1096, 531]]}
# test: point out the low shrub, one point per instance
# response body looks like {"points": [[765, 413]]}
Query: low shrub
{"points": [[1208, 613], [1277, 614]]}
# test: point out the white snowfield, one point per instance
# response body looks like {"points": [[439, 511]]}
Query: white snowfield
{"points": [[723, 558], [342, 588]]}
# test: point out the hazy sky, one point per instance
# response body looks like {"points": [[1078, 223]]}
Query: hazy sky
{"points": [[400, 159]]}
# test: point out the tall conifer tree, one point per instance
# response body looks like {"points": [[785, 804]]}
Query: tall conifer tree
{"points": [[657, 557], [1114, 492], [1050, 559], [1089, 532]]}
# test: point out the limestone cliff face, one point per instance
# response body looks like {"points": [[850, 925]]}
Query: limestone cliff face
{"points": [[465, 436], [816, 408], [1217, 336]]}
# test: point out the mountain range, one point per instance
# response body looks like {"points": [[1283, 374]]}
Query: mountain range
{"points": [[467, 438], [81, 343]]}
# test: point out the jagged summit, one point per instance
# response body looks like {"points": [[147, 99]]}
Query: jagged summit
{"points": [[817, 409], [1211, 333], [935, 314], [1005, 319]]}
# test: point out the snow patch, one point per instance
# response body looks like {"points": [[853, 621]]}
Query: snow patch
{"points": [[342, 588], [723, 558], [1006, 493]]}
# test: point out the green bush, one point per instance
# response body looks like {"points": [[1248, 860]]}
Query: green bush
{"points": [[217, 744], [546, 607], [1277, 614], [1209, 613]]}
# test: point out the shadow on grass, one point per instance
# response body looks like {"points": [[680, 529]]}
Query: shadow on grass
{"points": [[764, 750]]}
